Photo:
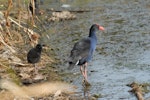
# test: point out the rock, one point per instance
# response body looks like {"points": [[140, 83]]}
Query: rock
{"points": [[64, 15]]}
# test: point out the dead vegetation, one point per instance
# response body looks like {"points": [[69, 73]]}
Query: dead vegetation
{"points": [[63, 15], [14, 36], [51, 90], [17, 36], [139, 90]]}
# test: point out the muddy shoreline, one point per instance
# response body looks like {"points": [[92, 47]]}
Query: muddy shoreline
{"points": [[123, 51], [122, 54]]}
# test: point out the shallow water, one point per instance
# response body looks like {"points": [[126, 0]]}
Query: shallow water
{"points": [[123, 51]]}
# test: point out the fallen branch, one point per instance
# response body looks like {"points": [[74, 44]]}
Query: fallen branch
{"points": [[73, 11], [137, 90]]}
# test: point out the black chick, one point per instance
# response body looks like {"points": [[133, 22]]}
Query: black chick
{"points": [[34, 55]]}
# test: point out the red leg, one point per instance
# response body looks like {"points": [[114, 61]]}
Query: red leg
{"points": [[35, 68], [81, 69], [85, 71]]}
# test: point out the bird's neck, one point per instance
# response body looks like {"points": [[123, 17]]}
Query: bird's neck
{"points": [[92, 34], [39, 50]]}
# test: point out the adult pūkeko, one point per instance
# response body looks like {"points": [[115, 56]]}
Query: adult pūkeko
{"points": [[83, 50], [34, 55]]}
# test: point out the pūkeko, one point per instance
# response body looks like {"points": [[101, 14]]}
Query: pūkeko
{"points": [[34, 55], [83, 50]]}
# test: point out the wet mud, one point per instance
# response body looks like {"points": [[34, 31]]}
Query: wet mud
{"points": [[123, 50]]}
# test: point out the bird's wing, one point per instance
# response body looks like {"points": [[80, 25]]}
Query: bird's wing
{"points": [[33, 56], [32, 53], [82, 47], [80, 50]]}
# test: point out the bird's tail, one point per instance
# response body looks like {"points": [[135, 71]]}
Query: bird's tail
{"points": [[73, 61], [37, 90]]}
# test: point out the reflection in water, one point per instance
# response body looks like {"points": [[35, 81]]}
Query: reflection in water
{"points": [[86, 92]]}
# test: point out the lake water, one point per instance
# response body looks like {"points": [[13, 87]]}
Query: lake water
{"points": [[123, 50]]}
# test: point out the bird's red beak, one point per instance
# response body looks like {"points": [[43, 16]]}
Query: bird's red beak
{"points": [[101, 28]]}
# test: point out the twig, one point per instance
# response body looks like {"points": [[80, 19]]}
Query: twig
{"points": [[32, 35], [10, 5], [137, 90], [16, 63], [19, 12], [2, 41], [33, 12], [25, 29]]}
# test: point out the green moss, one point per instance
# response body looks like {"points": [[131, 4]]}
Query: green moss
{"points": [[146, 87], [97, 95], [13, 75]]}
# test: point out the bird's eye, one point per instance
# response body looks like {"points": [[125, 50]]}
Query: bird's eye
{"points": [[70, 62]]}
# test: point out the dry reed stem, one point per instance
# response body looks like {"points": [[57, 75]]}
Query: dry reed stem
{"points": [[5, 44], [33, 6], [32, 35], [19, 13], [10, 5]]}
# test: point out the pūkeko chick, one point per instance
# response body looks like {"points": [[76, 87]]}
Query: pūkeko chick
{"points": [[34, 55]]}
